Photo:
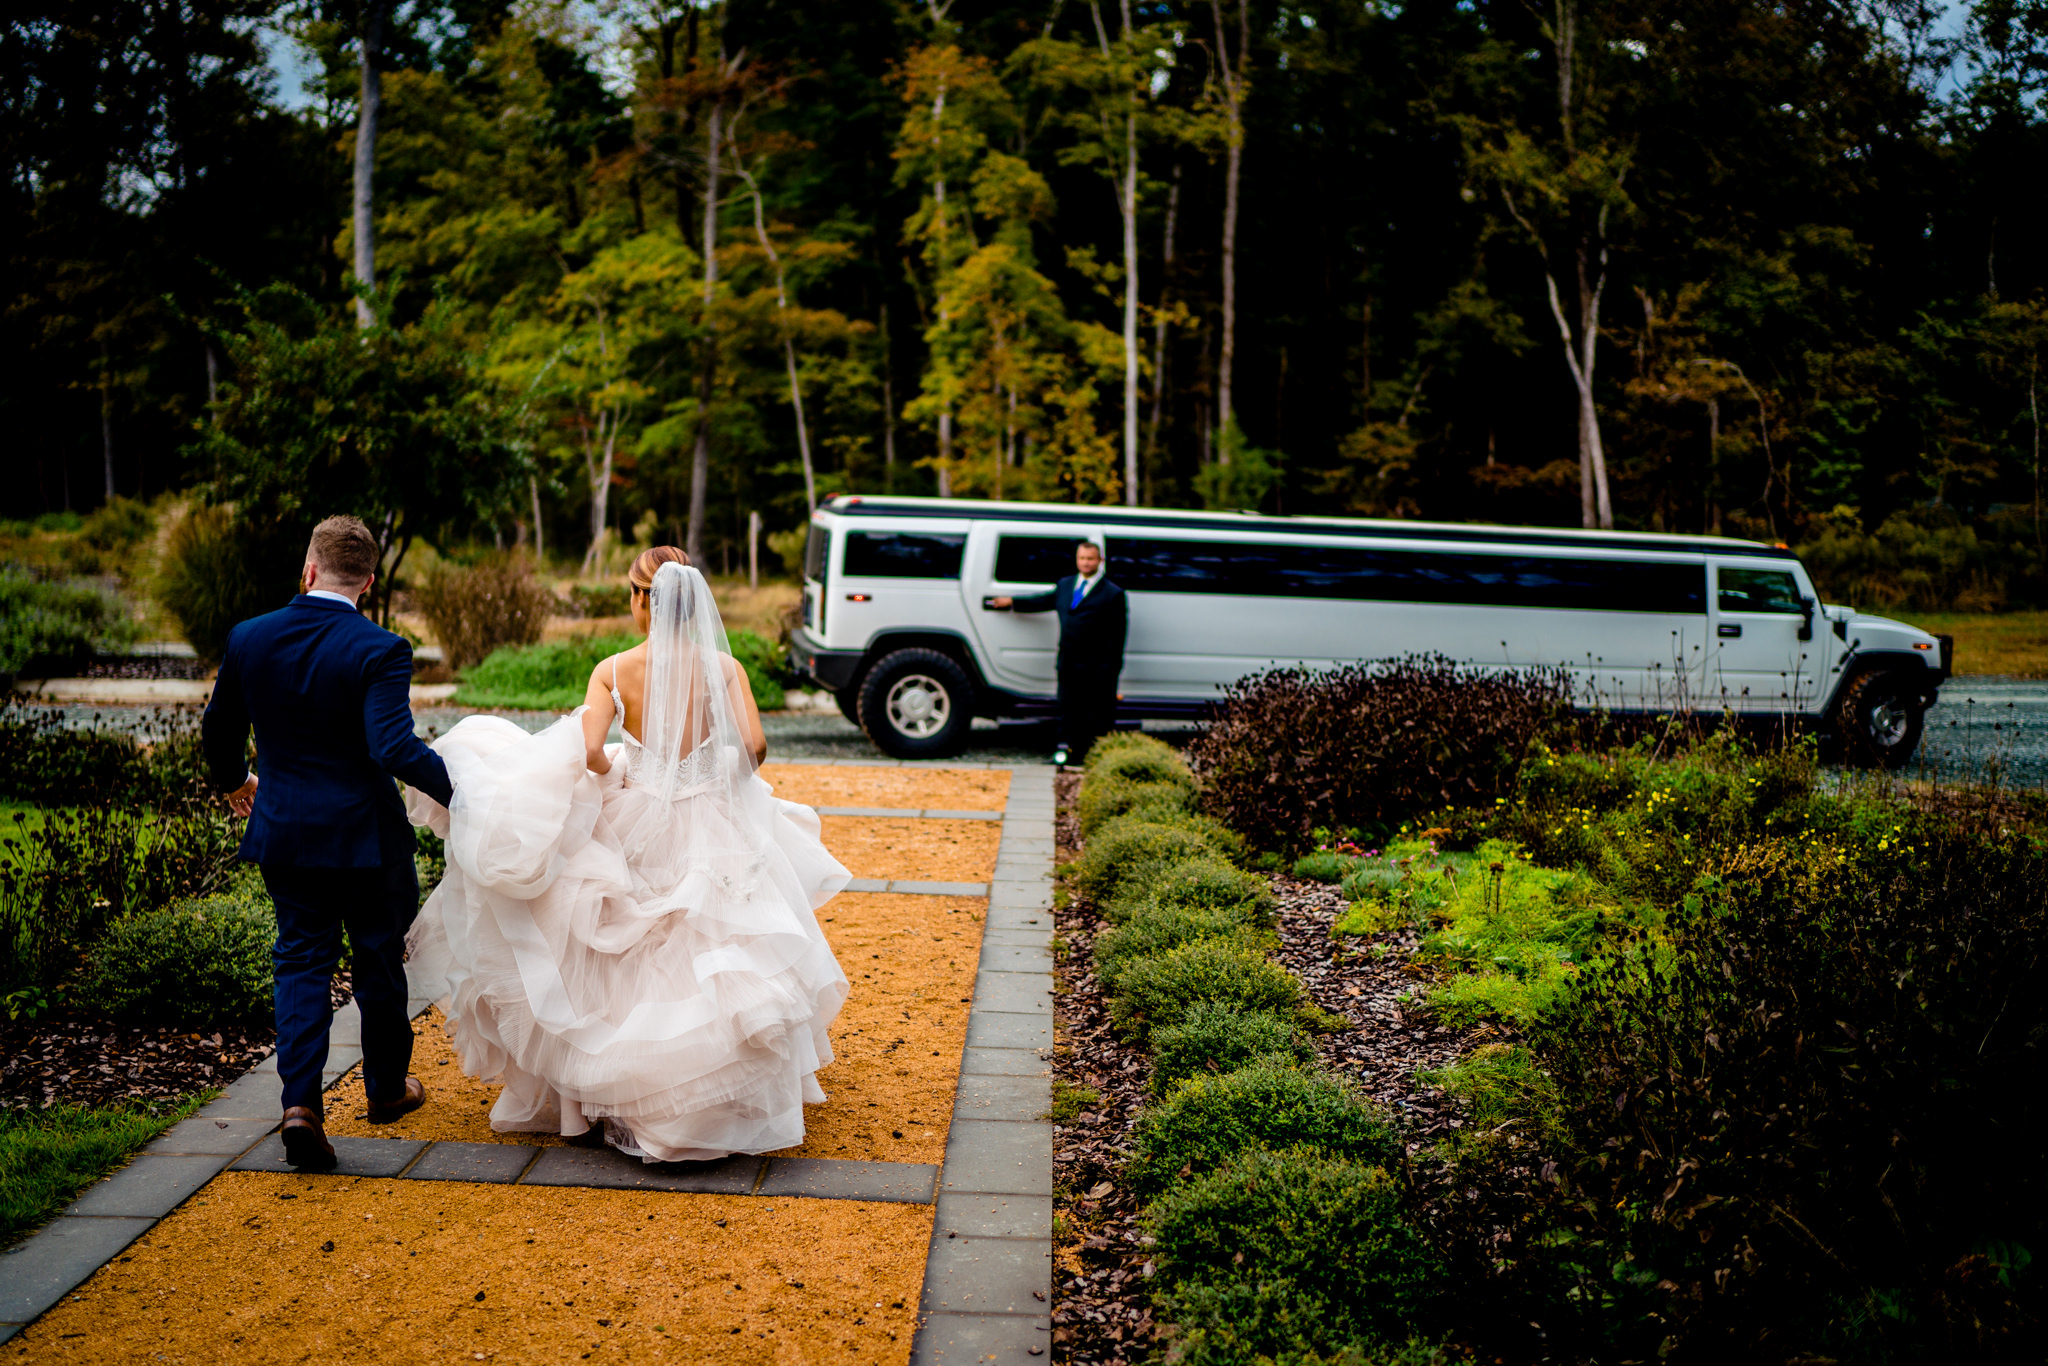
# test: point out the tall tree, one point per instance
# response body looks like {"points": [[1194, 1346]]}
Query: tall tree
{"points": [[1233, 75], [370, 104], [724, 70]]}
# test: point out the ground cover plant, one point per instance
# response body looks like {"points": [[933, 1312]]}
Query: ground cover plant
{"points": [[1755, 1065], [53, 625], [554, 675]]}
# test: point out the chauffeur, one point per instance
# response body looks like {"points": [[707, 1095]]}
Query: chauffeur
{"points": [[1094, 616]]}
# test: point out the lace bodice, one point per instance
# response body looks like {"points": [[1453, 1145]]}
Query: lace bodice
{"points": [[697, 769]]}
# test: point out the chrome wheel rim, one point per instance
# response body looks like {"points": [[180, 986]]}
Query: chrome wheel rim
{"points": [[919, 706], [1889, 720]]}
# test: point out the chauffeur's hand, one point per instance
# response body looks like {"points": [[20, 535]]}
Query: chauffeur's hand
{"points": [[1000, 604]]}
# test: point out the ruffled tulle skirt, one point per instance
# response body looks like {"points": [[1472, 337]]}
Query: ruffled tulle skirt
{"points": [[615, 956]]}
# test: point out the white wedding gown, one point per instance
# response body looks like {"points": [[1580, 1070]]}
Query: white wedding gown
{"points": [[636, 950]]}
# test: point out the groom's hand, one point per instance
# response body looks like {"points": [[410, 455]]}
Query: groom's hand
{"points": [[243, 799]]}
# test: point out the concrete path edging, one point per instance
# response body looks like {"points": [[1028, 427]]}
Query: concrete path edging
{"points": [[988, 1276]]}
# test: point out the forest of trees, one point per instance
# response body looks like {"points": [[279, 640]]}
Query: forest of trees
{"points": [[1777, 270]]}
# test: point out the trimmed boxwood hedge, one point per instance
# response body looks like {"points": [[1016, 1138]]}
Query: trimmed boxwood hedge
{"points": [[1104, 799], [1215, 1037], [1153, 993], [1268, 1103], [1274, 1251], [1206, 883], [1159, 929], [201, 964], [1134, 853]]}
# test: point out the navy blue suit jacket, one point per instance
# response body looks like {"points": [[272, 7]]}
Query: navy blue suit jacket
{"points": [[1092, 634], [329, 695]]}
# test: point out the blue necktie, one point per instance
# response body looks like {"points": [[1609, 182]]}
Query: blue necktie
{"points": [[1080, 586]]}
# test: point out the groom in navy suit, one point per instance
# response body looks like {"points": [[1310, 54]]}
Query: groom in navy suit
{"points": [[329, 696], [1094, 618]]}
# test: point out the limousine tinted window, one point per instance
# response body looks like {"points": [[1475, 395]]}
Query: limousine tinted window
{"points": [[1759, 590], [1321, 571], [903, 555], [818, 553], [1034, 559]]}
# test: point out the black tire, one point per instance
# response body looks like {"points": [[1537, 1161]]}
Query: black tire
{"points": [[848, 699], [1879, 719], [917, 704]]}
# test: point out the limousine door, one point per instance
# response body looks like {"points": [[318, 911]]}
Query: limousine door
{"points": [[1760, 664], [1021, 650]]}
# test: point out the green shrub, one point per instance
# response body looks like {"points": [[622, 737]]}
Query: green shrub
{"points": [[476, 609], [1207, 884], [1155, 993], [1268, 1103], [1131, 852], [600, 599], [1324, 865], [1112, 748], [1158, 929], [191, 965], [218, 570], [555, 675], [1103, 799], [53, 626], [1290, 1255], [1214, 1037]]}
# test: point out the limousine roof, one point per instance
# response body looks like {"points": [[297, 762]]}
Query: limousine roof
{"points": [[862, 505]]}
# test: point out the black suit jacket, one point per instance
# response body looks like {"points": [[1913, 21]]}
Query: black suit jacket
{"points": [[329, 694], [1091, 635]]}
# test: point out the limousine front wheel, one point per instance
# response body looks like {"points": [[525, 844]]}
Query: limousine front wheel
{"points": [[917, 704], [1880, 720]]}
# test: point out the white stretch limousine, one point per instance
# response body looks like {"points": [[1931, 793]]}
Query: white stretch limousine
{"points": [[895, 622]]}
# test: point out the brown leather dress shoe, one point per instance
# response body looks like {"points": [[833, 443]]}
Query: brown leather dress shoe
{"points": [[415, 1096], [305, 1141]]}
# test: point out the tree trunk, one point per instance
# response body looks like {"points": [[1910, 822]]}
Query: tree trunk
{"points": [[368, 107], [1159, 326], [939, 274], [540, 549], [1233, 99], [796, 393], [1128, 202], [107, 414], [888, 406], [700, 453]]}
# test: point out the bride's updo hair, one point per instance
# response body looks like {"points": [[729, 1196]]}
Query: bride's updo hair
{"points": [[641, 575]]}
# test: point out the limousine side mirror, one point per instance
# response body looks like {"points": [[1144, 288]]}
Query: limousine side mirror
{"points": [[1806, 606]]}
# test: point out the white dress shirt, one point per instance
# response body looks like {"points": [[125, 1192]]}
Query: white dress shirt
{"points": [[328, 593]]}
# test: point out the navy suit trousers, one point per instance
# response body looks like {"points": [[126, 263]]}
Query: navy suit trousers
{"points": [[1087, 700], [377, 905]]}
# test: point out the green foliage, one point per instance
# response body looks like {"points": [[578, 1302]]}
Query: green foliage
{"points": [[53, 626], [1205, 883], [395, 423], [1156, 993], [1243, 477], [1498, 1083], [600, 599], [45, 760], [1215, 1037], [555, 676], [476, 609], [1290, 1254], [1069, 1100], [1105, 797], [66, 877], [201, 964], [1139, 757], [1156, 929], [1268, 1103], [1129, 853], [220, 568], [48, 1157]]}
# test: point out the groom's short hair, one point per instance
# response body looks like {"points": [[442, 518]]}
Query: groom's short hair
{"points": [[344, 549]]}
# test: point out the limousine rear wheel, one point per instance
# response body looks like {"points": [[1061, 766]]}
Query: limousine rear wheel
{"points": [[1880, 720], [917, 704]]}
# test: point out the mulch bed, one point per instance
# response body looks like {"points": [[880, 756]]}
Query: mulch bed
{"points": [[1102, 1315], [74, 1058]]}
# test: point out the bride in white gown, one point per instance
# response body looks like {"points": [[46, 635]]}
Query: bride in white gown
{"points": [[625, 936]]}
